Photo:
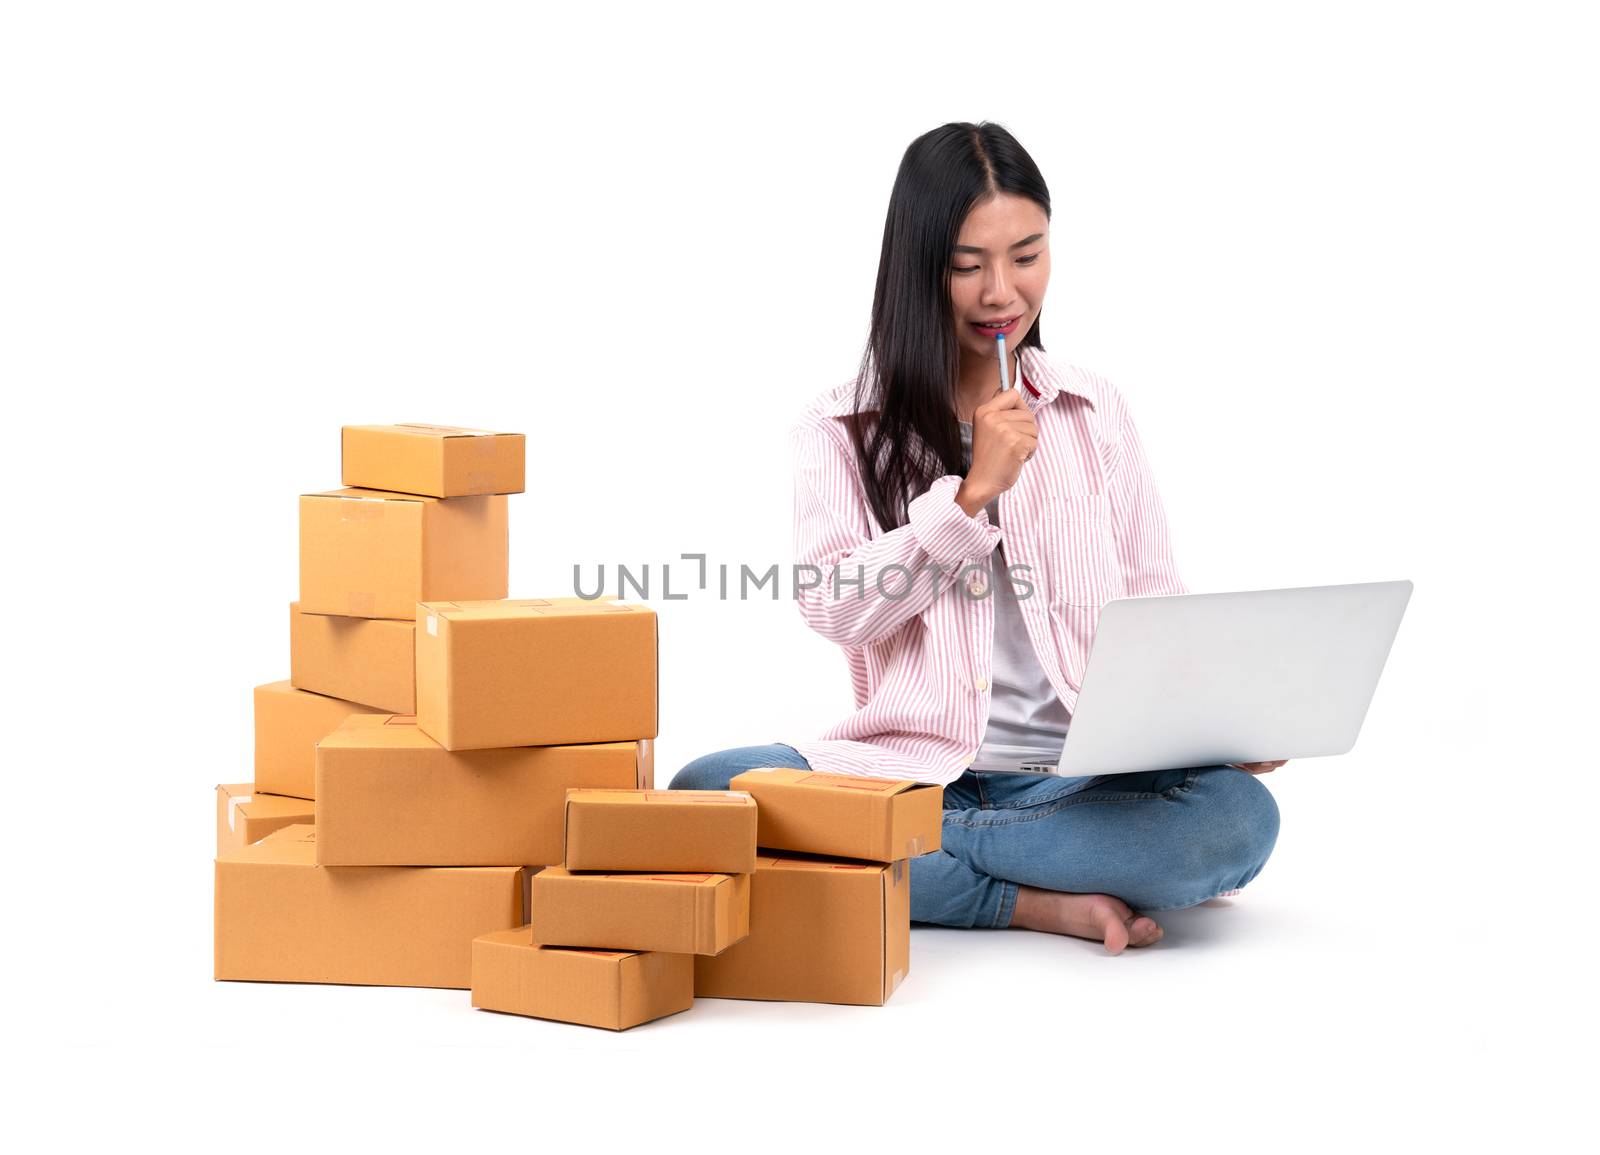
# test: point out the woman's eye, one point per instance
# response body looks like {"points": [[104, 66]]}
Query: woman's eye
{"points": [[1028, 260]]}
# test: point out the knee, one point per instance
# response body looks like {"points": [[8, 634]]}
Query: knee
{"points": [[707, 772], [714, 771], [1244, 817]]}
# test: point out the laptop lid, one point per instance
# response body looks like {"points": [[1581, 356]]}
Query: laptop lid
{"points": [[1248, 676]]}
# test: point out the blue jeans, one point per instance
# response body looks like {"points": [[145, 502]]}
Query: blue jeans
{"points": [[1158, 840]]}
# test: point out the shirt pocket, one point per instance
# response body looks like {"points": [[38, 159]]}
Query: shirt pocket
{"points": [[1081, 551]]}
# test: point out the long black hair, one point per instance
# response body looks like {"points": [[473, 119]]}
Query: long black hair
{"points": [[912, 359]]}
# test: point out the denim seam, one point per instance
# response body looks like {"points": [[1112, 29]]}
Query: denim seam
{"points": [[1184, 905], [991, 818], [1008, 903], [1096, 794]]}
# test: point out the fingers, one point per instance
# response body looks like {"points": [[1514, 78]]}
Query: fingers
{"points": [[1258, 767], [1004, 399]]}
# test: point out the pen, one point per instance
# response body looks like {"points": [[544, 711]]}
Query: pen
{"points": [[1005, 362]]}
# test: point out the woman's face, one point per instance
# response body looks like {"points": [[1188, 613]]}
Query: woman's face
{"points": [[999, 271]]}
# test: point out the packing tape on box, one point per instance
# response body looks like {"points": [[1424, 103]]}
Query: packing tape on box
{"points": [[433, 626], [914, 846], [234, 802], [448, 430], [894, 981]]}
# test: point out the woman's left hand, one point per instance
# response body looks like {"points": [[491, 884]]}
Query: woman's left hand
{"points": [[1259, 767]]}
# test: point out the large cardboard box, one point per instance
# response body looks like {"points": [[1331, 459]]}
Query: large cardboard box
{"points": [[661, 830], [535, 672], [875, 819], [366, 660], [597, 988], [436, 460], [387, 794], [821, 931], [289, 723], [366, 553], [282, 918], [681, 913], [243, 816]]}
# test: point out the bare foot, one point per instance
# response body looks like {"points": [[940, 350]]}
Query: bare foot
{"points": [[1093, 916]]}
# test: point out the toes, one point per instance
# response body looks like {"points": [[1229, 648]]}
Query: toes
{"points": [[1116, 935], [1144, 932]]}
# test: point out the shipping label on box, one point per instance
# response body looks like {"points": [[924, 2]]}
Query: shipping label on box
{"points": [[387, 794], [289, 723], [433, 460], [367, 553], [821, 931], [661, 830], [367, 660], [535, 672], [875, 819], [596, 988], [282, 918], [702, 913], [244, 817]]}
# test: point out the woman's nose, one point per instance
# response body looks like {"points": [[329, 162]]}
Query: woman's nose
{"points": [[997, 288]]}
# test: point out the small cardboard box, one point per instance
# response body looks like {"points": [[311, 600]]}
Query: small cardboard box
{"points": [[282, 918], [289, 722], [874, 819], [434, 460], [366, 660], [597, 988], [536, 672], [821, 931], [388, 795], [365, 553], [243, 816], [661, 830], [680, 913]]}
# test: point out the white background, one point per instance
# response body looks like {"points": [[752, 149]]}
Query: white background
{"points": [[1340, 258]]}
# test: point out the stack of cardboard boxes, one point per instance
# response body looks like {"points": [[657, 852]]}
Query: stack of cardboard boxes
{"points": [[365, 851], [437, 743], [792, 886]]}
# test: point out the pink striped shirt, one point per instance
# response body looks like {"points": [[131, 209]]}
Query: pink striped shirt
{"points": [[1084, 516]]}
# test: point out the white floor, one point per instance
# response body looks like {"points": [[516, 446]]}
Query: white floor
{"points": [[1368, 978]]}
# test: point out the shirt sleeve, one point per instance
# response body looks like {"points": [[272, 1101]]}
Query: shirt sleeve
{"points": [[865, 587], [1144, 544]]}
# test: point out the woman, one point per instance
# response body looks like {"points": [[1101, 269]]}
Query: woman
{"points": [[1012, 516]]}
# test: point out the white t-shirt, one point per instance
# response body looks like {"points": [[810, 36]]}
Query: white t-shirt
{"points": [[1027, 721]]}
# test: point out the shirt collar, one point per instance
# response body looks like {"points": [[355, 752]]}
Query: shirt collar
{"points": [[1040, 380]]}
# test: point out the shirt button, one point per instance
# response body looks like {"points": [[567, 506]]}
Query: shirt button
{"points": [[975, 587], [983, 684]]}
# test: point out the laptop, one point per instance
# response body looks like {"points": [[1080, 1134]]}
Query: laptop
{"points": [[1248, 676]]}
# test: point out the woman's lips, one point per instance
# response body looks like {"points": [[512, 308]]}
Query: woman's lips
{"points": [[1008, 328]]}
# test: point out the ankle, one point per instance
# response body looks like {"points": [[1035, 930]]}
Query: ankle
{"points": [[1025, 911]]}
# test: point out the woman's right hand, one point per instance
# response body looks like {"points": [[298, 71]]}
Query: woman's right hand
{"points": [[1003, 437]]}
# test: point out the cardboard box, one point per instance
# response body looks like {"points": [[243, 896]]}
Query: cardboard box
{"points": [[682, 913], [661, 830], [597, 988], [243, 816], [365, 553], [387, 794], [536, 672], [435, 460], [821, 931], [289, 722], [282, 918], [366, 660], [874, 819]]}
